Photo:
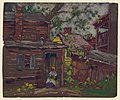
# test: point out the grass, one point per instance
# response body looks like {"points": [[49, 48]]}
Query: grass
{"points": [[9, 92], [95, 92], [105, 88], [109, 88]]}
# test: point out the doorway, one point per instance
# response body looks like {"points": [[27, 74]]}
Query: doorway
{"points": [[50, 62]]}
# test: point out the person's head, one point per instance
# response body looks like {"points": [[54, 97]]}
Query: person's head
{"points": [[53, 68]]}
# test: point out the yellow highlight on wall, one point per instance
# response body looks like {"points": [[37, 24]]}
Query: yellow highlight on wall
{"points": [[57, 40]]}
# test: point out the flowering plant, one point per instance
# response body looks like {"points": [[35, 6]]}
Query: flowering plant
{"points": [[26, 87]]}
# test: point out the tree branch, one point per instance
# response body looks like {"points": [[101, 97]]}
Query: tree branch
{"points": [[64, 12], [55, 10]]}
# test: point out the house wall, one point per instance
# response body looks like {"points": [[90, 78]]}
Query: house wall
{"points": [[8, 30], [10, 65], [37, 76], [102, 70], [94, 70], [8, 25], [33, 31], [113, 37], [80, 69], [17, 26]]}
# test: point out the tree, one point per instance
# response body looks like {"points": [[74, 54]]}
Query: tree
{"points": [[79, 16]]}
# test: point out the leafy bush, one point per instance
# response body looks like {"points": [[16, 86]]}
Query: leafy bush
{"points": [[105, 88], [89, 82], [110, 85]]}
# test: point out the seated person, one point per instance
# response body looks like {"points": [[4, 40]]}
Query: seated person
{"points": [[51, 80]]}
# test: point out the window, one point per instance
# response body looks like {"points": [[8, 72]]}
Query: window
{"points": [[26, 62], [32, 62], [20, 66]]}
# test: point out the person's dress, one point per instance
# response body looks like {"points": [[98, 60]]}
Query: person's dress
{"points": [[51, 80]]}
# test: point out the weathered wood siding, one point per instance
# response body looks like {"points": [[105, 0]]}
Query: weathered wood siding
{"points": [[40, 74], [80, 69], [37, 76], [98, 71], [10, 67], [59, 66], [8, 25], [34, 30], [102, 71]]}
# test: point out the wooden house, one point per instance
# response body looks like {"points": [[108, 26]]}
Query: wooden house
{"points": [[106, 27], [98, 66], [28, 53], [102, 65], [74, 42]]}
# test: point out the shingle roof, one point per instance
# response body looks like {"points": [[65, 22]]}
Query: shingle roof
{"points": [[35, 17], [33, 45], [10, 16], [75, 39], [102, 56]]}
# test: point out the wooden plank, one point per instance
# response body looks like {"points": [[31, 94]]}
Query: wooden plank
{"points": [[35, 23], [34, 27], [31, 31]]}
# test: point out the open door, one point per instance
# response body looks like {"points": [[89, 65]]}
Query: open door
{"points": [[50, 61]]}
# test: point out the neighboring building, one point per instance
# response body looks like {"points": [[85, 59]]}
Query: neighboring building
{"points": [[91, 40], [102, 64], [28, 53], [98, 66], [107, 30], [73, 42]]}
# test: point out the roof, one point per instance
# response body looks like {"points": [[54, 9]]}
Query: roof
{"points": [[35, 17], [102, 57], [34, 45], [101, 20], [74, 39], [10, 16]]}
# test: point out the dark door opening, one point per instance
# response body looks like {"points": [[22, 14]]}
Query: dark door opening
{"points": [[50, 62], [50, 59]]}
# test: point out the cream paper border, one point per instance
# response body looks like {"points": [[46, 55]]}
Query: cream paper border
{"points": [[57, 98]]}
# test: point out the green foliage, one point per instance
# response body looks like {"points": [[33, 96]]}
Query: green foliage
{"points": [[94, 92], [89, 82], [69, 50], [81, 53], [69, 73], [80, 24], [75, 11], [110, 85], [28, 8], [56, 22], [106, 88], [76, 82], [68, 78]]}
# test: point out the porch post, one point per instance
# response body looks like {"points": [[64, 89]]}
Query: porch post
{"points": [[62, 69]]}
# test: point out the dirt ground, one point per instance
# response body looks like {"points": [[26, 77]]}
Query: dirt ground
{"points": [[60, 92]]}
